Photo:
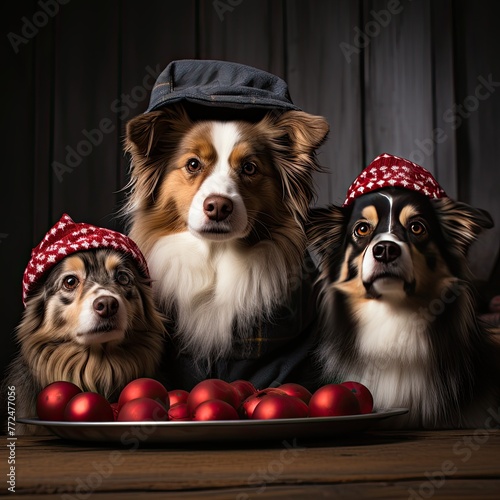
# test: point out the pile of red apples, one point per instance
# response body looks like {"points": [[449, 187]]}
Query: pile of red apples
{"points": [[146, 399]]}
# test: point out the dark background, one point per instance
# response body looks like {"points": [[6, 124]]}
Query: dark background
{"points": [[403, 77]]}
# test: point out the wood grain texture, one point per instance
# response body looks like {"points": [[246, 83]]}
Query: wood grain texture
{"points": [[443, 137], [85, 86], [142, 57], [398, 80], [362, 465], [475, 117], [452, 489], [244, 32], [326, 82]]}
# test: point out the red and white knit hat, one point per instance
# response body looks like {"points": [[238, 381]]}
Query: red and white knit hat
{"points": [[392, 171], [68, 237]]}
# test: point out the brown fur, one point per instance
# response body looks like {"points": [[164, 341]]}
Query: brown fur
{"points": [[423, 349], [271, 241], [160, 143], [49, 351]]}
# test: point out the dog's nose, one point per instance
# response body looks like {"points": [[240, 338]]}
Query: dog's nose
{"points": [[386, 251], [217, 207], [105, 306]]}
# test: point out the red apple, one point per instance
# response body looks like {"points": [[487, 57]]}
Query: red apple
{"points": [[248, 406], [115, 408], [333, 400], [88, 407], [362, 393], [141, 410], [212, 388], [144, 388], [52, 400], [215, 409], [297, 391], [277, 406], [244, 388], [177, 396], [179, 412]]}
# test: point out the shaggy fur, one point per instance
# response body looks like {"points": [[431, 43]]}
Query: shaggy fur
{"points": [[215, 277], [62, 336], [398, 307]]}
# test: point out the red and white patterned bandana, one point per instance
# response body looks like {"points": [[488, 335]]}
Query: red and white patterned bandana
{"points": [[392, 171], [68, 237]]}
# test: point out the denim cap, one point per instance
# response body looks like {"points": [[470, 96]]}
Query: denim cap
{"points": [[219, 87]]}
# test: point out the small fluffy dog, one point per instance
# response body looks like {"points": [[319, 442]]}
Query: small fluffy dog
{"points": [[397, 299], [218, 208], [89, 317]]}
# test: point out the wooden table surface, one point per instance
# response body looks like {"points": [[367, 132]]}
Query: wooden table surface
{"points": [[381, 465]]}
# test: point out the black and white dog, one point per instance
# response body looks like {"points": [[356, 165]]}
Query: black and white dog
{"points": [[397, 301]]}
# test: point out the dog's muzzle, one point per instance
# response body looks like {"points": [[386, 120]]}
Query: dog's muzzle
{"points": [[387, 266]]}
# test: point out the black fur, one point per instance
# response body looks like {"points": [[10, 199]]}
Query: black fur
{"points": [[454, 380]]}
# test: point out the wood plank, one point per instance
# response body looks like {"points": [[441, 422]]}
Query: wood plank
{"points": [[451, 489], [85, 88], [398, 80], [324, 80], [443, 139], [49, 465], [17, 182], [245, 32], [140, 57], [477, 123], [43, 130]]}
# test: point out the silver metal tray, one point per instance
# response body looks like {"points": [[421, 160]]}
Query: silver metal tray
{"points": [[137, 433]]}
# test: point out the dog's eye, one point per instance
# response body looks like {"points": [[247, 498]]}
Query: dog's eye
{"points": [[417, 228], [193, 165], [249, 168], [71, 282], [123, 278], [362, 229]]}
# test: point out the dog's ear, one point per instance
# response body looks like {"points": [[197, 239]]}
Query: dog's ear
{"points": [[461, 223], [305, 132], [326, 232], [151, 138], [296, 136], [147, 133]]}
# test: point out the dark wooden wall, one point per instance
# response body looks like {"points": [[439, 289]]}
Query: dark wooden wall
{"points": [[399, 76]]}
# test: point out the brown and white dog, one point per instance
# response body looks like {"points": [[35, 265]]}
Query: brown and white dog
{"points": [[397, 300], [89, 317], [218, 208]]}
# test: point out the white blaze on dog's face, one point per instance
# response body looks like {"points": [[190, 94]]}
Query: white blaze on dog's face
{"points": [[217, 210], [91, 297], [387, 264], [224, 181]]}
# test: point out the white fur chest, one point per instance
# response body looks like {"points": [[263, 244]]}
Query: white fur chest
{"points": [[395, 359], [212, 285], [390, 333]]}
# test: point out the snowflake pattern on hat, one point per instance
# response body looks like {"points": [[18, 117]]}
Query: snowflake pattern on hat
{"points": [[392, 171], [67, 237]]}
